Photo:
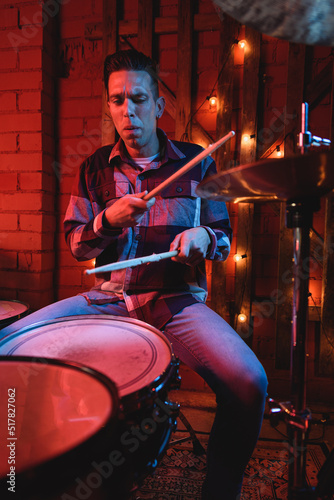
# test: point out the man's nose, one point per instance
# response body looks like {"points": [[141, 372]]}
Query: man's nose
{"points": [[129, 107]]}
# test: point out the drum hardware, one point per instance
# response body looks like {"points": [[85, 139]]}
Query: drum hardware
{"points": [[300, 182], [305, 138], [197, 447]]}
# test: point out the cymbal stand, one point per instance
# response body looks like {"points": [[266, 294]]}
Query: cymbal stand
{"points": [[299, 215]]}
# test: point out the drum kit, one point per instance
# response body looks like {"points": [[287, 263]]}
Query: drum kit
{"points": [[87, 396], [91, 392]]}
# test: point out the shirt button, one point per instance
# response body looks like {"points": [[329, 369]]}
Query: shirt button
{"points": [[107, 193], [138, 237], [141, 177], [179, 189]]}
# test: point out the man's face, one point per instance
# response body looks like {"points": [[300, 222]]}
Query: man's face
{"points": [[134, 111]]}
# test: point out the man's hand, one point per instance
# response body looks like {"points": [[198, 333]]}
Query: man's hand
{"points": [[128, 210], [192, 244]]}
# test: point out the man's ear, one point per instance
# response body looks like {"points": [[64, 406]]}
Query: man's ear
{"points": [[160, 106]]}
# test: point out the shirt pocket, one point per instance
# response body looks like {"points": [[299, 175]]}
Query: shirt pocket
{"points": [[180, 188], [106, 194], [177, 208]]}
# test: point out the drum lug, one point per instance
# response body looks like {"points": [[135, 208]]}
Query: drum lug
{"points": [[176, 383]]}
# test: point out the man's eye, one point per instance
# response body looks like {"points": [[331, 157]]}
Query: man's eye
{"points": [[139, 99]]}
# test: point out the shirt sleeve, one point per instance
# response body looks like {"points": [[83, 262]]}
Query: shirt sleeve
{"points": [[215, 219], [84, 233]]}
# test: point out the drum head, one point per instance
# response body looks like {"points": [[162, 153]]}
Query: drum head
{"points": [[11, 310], [129, 352], [52, 409]]}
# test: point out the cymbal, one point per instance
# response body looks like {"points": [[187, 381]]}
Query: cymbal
{"points": [[286, 179], [305, 21]]}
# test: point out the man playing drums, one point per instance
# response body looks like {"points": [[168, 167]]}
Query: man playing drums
{"points": [[109, 219]]}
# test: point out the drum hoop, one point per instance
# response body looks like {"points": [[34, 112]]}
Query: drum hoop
{"points": [[107, 428], [17, 315], [62, 319], [76, 365]]}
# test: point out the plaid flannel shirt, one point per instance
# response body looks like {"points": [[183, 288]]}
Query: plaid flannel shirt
{"points": [[156, 291]]}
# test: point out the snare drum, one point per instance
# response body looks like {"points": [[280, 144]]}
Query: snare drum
{"points": [[11, 310], [61, 418], [135, 355]]}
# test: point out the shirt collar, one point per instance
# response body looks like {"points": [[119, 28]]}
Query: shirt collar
{"points": [[168, 150]]}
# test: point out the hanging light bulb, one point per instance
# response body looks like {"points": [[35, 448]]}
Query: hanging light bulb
{"points": [[278, 151], [247, 137], [242, 44], [212, 103], [213, 100], [242, 318], [238, 257]]}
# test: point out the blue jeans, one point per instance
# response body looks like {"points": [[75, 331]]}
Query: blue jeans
{"points": [[208, 345]]}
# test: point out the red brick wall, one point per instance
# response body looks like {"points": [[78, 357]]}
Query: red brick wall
{"points": [[27, 217]]}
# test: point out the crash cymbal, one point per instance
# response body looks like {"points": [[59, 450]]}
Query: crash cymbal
{"points": [[301, 21], [286, 179]]}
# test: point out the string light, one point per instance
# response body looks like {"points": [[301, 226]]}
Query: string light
{"points": [[278, 151], [242, 44], [212, 103], [242, 318], [238, 257], [247, 137]]}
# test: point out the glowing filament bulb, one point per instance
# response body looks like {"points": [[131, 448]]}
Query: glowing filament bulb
{"points": [[238, 257], [213, 101], [242, 44], [242, 318]]}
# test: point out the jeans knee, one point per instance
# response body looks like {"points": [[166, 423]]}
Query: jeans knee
{"points": [[255, 387]]}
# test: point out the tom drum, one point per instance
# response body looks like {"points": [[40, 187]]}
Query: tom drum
{"points": [[60, 419]]}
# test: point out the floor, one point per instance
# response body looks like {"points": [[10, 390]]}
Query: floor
{"points": [[199, 409]]}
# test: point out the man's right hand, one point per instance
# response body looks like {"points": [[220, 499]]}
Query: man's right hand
{"points": [[128, 210]]}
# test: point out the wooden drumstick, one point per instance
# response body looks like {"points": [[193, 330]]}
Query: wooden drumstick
{"points": [[192, 163], [116, 266]]}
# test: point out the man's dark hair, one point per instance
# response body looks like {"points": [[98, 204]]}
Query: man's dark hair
{"points": [[131, 60]]}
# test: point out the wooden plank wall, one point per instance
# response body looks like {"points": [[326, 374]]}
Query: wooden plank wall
{"points": [[228, 33], [243, 277], [184, 69], [326, 358]]}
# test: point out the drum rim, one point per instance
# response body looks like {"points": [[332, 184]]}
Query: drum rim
{"points": [[135, 400], [108, 427], [16, 300], [62, 319], [4, 321]]}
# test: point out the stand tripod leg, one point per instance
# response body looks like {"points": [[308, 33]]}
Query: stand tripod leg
{"points": [[197, 447], [299, 217]]}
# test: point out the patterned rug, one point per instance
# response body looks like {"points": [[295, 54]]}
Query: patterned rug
{"points": [[181, 472]]}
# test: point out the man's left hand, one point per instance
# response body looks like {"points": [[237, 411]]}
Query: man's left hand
{"points": [[192, 245]]}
